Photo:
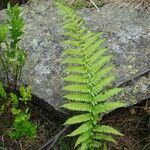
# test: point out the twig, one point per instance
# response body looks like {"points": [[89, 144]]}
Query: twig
{"points": [[53, 140], [95, 5], [146, 146], [133, 146], [126, 81]]}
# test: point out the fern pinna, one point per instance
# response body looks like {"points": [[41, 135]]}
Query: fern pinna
{"points": [[88, 78]]}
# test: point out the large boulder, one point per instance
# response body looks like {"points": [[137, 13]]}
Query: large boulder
{"points": [[128, 34]]}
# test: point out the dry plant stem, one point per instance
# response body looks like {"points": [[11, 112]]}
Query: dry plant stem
{"points": [[146, 146], [95, 5], [53, 140], [138, 143]]}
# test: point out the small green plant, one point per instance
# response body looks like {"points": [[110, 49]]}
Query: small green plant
{"points": [[22, 125], [12, 57], [3, 96], [89, 81]]}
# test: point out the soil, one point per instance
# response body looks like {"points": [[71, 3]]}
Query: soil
{"points": [[3, 3], [47, 124], [134, 123]]}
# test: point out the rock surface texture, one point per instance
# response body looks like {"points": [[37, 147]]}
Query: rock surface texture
{"points": [[128, 34]]}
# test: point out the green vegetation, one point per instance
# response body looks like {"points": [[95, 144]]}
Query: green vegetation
{"points": [[22, 125], [89, 80], [20, 111], [12, 57]]}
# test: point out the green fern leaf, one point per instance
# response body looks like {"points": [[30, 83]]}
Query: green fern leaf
{"points": [[76, 79], [81, 129], [72, 52], [107, 130], [87, 76], [83, 31], [91, 40], [78, 106], [106, 107], [75, 69], [82, 137], [103, 83], [107, 95], [78, 119], [71, 43], [85, 144], [100, 74], [73, 61], [79, 97], [72, 35], [87, 35], [97, 55], [96, 46], [94, 68], [96, 144], [77, 88], [105, 138]]}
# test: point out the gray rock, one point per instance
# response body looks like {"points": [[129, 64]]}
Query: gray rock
{"points": [[128, 34]]}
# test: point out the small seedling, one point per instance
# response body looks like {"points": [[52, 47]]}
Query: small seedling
{"points": [[22, 125]]}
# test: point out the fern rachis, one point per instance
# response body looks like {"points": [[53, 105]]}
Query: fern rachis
{"points": [[88, 78]]}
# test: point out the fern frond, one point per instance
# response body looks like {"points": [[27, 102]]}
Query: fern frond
{"points": [[74, 36], [75, 69], [81, 129], [103, 83], [78, 106], [78, 97], [77, 88], [72, 52], [73, 26], [76, 79], [96, 144], [82, 137], [97, 55], [94, 68], [107, 95], [87, 76], [104, 137], [70, 60], [91, 40], [107, 130], [101, 73], [78, 119], [85, 144], [71, 43], [106, 107], [83, 30], [87, 35], [91, 50]]}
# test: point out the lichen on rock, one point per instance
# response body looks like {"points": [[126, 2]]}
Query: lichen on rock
{"points": [[128, 37]]}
